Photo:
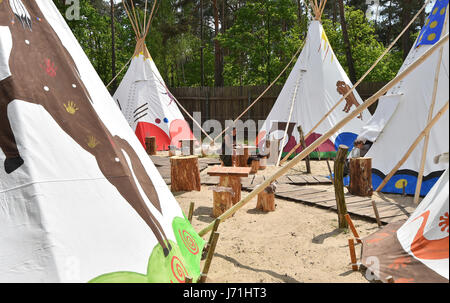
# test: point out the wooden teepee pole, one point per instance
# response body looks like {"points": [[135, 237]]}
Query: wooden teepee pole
{"points": [[328, 134], [430, 116], [150, 18], [136, 32], [357, 83], [136, 17], [294, 98], [324, 2], [413, 146]]}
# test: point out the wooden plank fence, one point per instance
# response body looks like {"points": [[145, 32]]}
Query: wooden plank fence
{"points": [[226, 103]]}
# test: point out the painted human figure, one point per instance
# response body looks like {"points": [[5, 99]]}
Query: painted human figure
{"points": [[350, 100], [41, 71]]}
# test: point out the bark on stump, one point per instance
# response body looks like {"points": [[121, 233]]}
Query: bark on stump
{"points": [[266, 201], [185, 173], [150, 145], [255, 167], [235, 184], [339, 185], [361, 177], [222, 199]]}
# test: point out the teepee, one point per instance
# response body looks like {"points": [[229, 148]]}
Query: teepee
{"points": [[415, 251], [405, 111], [317, 82], [143, 96], [80, 200]]}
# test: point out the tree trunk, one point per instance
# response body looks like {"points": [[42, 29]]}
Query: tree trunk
{"points": [[218, 65], [348, 49], [202, 60], [113, 49], [405, 18], [299, 12]]}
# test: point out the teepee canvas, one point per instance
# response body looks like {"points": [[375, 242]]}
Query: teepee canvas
{"points": [[402, 114], [80, 200], [145, 100], [415, 251], [316, 83]]}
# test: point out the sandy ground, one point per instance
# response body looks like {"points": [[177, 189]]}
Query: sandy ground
{"points": [[295, 244]]}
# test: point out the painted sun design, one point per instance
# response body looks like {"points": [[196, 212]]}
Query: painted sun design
{"points": [[92, 142], [71, 107], [444, 222]]}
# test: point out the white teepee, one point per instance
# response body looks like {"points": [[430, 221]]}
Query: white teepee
{"points": [[415, 251], [80, 200], [145, 100], [308, 94], [402, 114]]}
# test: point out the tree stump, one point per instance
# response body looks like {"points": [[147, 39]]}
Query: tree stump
{"points": [[339, 185], [361, 177], [266, 201], [255, 167], [235, 184], [222, 199], [262, 163], [150, 145], [185, 173]]}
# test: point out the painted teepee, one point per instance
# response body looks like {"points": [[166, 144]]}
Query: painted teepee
{"points": [[80, 200], [144, 98], [316, 83], [404, 112], [415, 251]]}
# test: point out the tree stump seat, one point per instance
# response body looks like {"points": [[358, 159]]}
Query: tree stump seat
{"points": [[150, 145], [185, 173]]}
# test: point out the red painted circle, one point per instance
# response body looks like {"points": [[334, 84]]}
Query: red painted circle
{"points": [[178, 269], [189, 242]]}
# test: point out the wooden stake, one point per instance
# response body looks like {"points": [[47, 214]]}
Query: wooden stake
{"points": [[351, 246], [208, 245], [359, 81], [413, 146], [339, 185], [352, 228], [377, 215], [280, 172], [191, 211], [187, 279], [210, 256]]}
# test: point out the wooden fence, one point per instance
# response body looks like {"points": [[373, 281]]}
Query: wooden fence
{"points": [[226, 103]]}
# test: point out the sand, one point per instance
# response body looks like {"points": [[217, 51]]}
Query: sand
{"points": [[296, 243]]}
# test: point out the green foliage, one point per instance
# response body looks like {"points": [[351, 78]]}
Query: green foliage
{"points": [[365, 47], [257, 38]]}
